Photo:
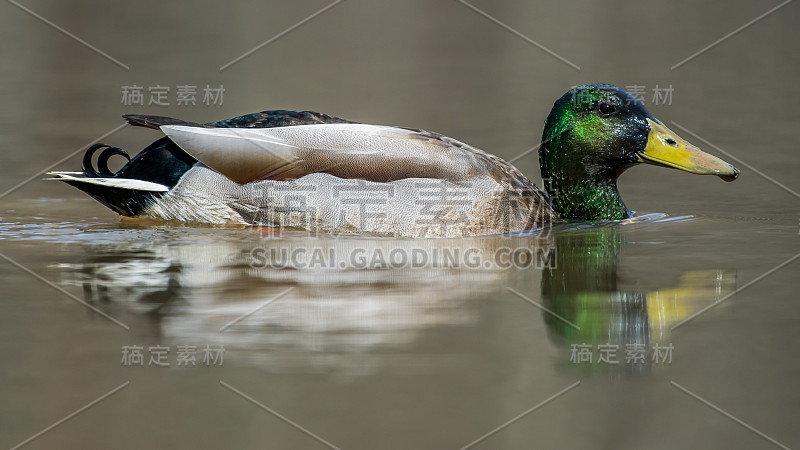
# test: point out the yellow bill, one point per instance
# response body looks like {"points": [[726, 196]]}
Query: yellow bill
{"points": [[665, 148]]}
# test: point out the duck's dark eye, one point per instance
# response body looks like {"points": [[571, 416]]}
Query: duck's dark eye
{"points": [[671, 142], [607, 108]]}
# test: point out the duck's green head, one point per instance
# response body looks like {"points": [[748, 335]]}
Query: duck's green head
{"points": [[594, 133]]}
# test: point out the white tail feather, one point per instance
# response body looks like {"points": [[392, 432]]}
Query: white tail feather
{"points": [[122, 183]]}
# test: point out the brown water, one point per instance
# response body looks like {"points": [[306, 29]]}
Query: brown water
{"points": [[381, 355]]}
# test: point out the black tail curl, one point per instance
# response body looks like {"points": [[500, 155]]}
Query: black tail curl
{"points": [[128, 202], [102, 170]]}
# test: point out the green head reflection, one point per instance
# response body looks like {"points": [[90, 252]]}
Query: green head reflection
{"points": [[592, 309]]}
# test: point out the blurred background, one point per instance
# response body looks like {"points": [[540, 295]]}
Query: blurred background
{"points": [[411, 358]]}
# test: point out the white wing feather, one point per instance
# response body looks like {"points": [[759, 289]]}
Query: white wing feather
{"points": [[371, 152]]}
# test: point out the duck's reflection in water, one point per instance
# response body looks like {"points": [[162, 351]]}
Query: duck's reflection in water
{"points": [[308, 303], [352, 305], [623, 329]]}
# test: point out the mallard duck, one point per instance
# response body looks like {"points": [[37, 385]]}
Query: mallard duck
{"points": [[317, 172]]}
